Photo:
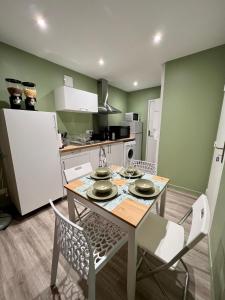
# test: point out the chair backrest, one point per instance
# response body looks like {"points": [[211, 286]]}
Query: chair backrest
{"points": [[73, 244], [145, 166], [77, 172], [200, 221]]}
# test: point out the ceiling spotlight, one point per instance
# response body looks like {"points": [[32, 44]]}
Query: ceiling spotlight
{"points": [[41, 22], [157, 38], [101, 62], [135, 83]]}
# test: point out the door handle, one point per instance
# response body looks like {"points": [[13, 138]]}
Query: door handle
{"points": [[223, 151], [149, 134]]}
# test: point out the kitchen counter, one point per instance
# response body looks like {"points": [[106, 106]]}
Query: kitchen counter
{"points": [[103, 143]]}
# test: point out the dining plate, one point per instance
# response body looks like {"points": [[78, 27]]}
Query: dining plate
{"points": [[132, 190], [96, 177], [91, 194], [126, 175]]}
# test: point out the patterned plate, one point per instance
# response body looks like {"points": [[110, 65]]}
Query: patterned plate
{"points": [[132, 190], [91, 194], [94, 176], [126, 175]]}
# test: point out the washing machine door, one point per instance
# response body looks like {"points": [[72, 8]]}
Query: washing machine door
{"points": [[130, 154]]}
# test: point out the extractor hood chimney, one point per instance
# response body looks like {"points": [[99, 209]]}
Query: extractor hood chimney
{"points": [[103, 106]]}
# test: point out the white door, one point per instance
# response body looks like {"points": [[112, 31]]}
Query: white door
{"points": [[153, 130], [217, 163]]}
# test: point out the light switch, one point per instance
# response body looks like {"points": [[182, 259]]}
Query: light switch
{"points": [[68, 81]]}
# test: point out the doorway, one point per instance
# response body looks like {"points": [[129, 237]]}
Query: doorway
{"points": [[153, 130], [217, 163]]}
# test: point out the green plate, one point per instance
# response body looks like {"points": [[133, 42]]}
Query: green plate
{"points": [[91, 194], [126, 175], [132, 190], [94, 176]]}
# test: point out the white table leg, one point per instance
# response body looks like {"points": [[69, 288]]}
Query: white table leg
{"points": [[71, 209], [131, 264], [163, 202]]}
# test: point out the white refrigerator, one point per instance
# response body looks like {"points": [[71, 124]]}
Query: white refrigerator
{"points": [[29, 147], [136, 130]]}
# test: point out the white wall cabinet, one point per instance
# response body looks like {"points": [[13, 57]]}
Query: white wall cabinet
{"points": [[70, 99]]}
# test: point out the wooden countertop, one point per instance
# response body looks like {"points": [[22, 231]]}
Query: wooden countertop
{"points": [[75, 147]]}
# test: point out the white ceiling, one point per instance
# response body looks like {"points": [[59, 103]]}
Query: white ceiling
{"points": [[119, 31]]}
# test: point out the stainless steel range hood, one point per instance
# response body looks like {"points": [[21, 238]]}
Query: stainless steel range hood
{"points": [[103, 106]]}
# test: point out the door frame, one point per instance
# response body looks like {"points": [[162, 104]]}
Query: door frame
{"points": [[147, 129]]}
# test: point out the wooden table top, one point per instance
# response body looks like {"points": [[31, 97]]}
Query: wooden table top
{"points": [[125, 206]]}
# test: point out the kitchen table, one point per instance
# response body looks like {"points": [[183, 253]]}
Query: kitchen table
{"points": [[126, 210]]}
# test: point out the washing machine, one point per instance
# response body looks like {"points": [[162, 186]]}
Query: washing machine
{"points": [[129, 152]]}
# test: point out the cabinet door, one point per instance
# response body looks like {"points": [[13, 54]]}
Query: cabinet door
{"points": [[75, 160], [94, 157], [116, 154], [79, 100]]}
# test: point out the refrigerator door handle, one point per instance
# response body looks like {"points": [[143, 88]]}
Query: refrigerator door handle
{"points": [[54, 122]]}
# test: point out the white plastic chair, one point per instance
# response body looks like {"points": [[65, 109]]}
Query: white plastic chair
{"points": [[87, 247], [145, 166], [150, 168], [165, 239], [75, 173]]}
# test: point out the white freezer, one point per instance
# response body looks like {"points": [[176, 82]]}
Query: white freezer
{"points": [[28, 141], [135, 126], [136, 130], [138, 140]]}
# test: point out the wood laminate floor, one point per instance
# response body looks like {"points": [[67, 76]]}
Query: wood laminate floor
{"points": [[25, 263]]}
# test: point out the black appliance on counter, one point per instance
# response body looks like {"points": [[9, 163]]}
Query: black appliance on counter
{"points": [[112, 133], [118, 132]]}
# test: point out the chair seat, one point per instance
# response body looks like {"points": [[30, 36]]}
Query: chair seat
{"points": [[106, 238], [161, 238]]}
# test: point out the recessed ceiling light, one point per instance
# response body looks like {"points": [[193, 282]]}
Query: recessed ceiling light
{"points": [[157, 38], [41, 22], [135, 83], [101, 62]]}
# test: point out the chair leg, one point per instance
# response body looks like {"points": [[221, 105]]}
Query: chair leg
{"points": [[157, 208], [91, 288], [140, 260], [154, 276], [186, 280], [55, 260]]}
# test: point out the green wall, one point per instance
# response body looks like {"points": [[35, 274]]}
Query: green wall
{"points": [[217, 244], [15, 63], [138, 102], [193, 94]]}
